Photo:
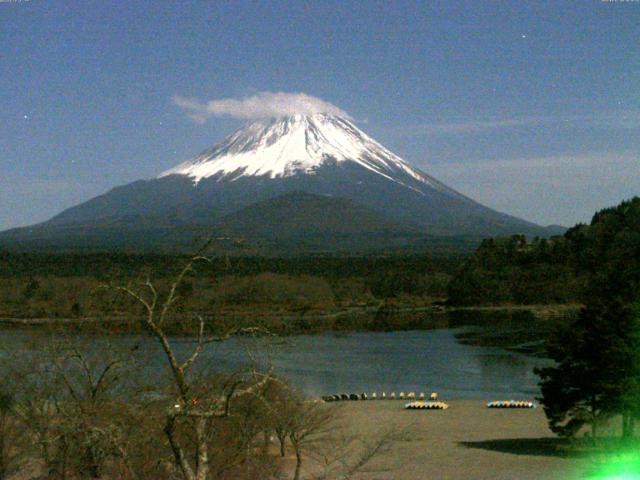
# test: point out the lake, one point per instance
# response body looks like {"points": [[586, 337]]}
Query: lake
{"points": [[476, 356]]}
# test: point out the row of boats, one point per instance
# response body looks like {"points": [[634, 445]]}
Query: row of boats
{"points": [[426, 406], [421, 403], [511, 404], [374, 396]]}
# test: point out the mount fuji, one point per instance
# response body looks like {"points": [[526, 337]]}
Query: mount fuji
{"points": [[304, 182]]}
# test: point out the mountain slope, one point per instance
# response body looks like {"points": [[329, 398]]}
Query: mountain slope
{"points": [[321, 155], [300, 221], [299, 214]]}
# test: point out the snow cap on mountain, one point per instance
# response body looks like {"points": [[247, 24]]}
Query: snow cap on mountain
{"points": [[298, 144]]}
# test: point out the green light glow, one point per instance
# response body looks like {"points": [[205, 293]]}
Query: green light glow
{"points": [[625, 466]]}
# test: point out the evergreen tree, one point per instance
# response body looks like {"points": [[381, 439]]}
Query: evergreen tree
{"points": [[573, 390], [597, 371]]}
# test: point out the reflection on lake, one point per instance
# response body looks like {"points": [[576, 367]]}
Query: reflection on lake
{"points": [[475, 356]]}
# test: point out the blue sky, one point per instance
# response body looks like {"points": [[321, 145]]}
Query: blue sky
{"points": [[532, 108]]}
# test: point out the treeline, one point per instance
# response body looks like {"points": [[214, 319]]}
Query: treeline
{"points": [[68, 286], [513, 270], [109, 264], [540, 271], [596, 373]]}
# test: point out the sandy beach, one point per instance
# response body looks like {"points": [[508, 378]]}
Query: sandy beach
{"points": [[466, 441]]}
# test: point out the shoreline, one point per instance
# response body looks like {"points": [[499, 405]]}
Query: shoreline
{"points": [[540, 311]]}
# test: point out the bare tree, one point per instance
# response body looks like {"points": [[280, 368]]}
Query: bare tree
{"points": [[316, 432], [310, 423], [65, 403], [84, 419], [281, 405], [189, 411], [345, 456]]}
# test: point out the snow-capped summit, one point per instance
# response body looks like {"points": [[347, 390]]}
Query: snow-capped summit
{"points": [[298, 144], [297, 183]]}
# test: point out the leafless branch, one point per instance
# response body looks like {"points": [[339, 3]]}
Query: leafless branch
{"points": [[198, 348]]}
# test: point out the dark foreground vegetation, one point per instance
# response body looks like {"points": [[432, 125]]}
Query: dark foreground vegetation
{"points": [[229, 288], [597, 371], [74, 410]]}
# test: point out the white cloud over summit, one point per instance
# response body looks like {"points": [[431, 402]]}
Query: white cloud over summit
{"points": [[258, 106]]}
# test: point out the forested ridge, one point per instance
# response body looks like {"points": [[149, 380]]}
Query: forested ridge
{"points": [[502, 271], [515, 270]]}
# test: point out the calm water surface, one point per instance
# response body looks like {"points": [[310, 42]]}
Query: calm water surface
{"points": [[432, 360], [458, 362]]}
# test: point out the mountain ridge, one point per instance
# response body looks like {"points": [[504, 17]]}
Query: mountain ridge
{"points": [[319, 154]]}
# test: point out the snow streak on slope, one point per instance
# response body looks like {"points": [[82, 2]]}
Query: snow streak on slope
{"points": [[299, 144]]}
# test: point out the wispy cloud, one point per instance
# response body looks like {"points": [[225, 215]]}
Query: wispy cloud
{"points": [[260, 105], [624, 119]]}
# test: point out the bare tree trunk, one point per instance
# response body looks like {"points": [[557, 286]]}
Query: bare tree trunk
{"points": [[296, 475], [63, 459], [282, 446], [594, 422], [178, 453], [203, 451]]}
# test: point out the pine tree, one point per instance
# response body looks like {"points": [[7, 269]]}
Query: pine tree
{"points": [[597, 371]]}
